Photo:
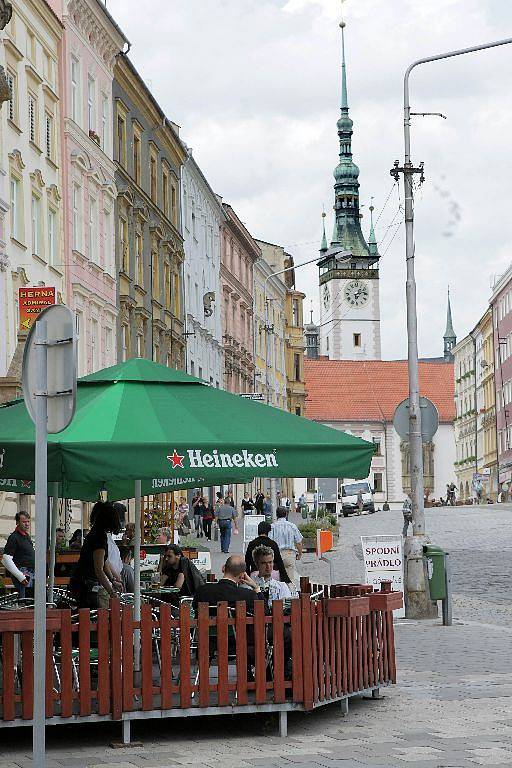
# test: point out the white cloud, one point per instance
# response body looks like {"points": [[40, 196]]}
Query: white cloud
{"points": [[255, 86]]}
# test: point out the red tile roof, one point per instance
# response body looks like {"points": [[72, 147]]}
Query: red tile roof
{"points": [[350, 390]]}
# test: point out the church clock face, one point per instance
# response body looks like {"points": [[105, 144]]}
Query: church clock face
{"points": [[356, 293], [326, 296]]}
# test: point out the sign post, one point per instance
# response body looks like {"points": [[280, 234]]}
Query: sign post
{"points": [[383, 559], [49, 389]]}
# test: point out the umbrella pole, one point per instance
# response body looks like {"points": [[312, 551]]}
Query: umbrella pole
{"points": [[136, 568], [53, 540]]}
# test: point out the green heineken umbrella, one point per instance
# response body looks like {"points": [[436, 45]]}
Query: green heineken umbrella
{"points": [[142, 421]]}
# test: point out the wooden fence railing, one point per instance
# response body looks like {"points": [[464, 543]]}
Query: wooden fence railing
{"points": [[312, 653]]}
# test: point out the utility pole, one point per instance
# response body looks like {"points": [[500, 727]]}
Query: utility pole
{"points": [[418, 603]]}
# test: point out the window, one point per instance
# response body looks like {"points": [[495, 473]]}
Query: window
{"points": [[48, 135], [327, 343], [140, 345], [49, 67], [297, 410], [192, 368], [296, 366], [139, 264], [357, 339], [177, 294], [95, 347], [75, 90], [91, 98], [125, 247], [155, 274], [13, 107], [15, 208], [174, 204], [295, 312], [167, 286], [52, 237], [152, 177], [377, 443], [32, 117], [77, 217], [108, 346], [81, 343], [124, 343], [200, 373], [165, 192], [377, 482], [93, 230], [104, 122], [107, 241], [136, 158], [31, 47], [36, 225], [310, 484], [121, 140]]}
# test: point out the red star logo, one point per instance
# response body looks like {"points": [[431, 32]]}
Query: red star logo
{"points": [[25, 483], [177, 460]]}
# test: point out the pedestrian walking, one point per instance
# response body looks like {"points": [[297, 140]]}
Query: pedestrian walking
{"points": [[407, 513], [206, 517], [198, 519], [360, 502], [247, 505], [228, 498], [259, 500], [225, 515], [267, 507], [289, 539], [19, 556], [450, 494]]}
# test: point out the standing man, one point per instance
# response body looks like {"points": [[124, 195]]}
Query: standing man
{"points": [[407, 513], [267, 507], [247, 505], [258, 502], [225, 514], [19, 556], [360, 502], [289, 539]]}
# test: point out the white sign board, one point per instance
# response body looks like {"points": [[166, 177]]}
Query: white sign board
{"points": [[383, 559], [150, 562], [203, 561], [251, 523]]}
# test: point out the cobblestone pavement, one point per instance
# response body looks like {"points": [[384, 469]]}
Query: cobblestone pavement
{"points": [[452, 706]]}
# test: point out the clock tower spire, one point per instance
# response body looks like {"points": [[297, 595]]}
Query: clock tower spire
{"points": [[349, 276]]}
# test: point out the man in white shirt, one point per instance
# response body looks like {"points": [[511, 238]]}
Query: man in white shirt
{"points": [[289, 540], [264, 559]]}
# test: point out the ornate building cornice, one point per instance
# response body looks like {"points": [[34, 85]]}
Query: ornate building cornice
{"points": [[94, 32]]}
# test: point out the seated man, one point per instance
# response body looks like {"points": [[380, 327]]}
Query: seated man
{"points": [[264, 529], [276, 590], [127, 573], [231, 588], [179, 572]]}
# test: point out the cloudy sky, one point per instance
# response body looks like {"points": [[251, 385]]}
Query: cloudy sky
{"points": [[254, 85]]}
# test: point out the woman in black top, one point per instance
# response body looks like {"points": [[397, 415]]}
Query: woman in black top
{"points": [[92, 571]]}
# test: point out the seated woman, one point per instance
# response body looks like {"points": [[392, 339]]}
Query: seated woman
{"points": [[179, 572]]}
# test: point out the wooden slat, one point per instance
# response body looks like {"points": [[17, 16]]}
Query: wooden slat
{"points": [[278, 629], [84, 662], [360, 651], [222, 655], [365, 648], [103, 662], [146, 657], [375, 649], [385, 654], [49, 675], [338, 650], [204, 654], [127, 672], [66, 666], [297, 671], [369, 649], [314, 649], [327, 655], [259, 651], [350, 654], [27, 687], [306, 609], [8, 675], [116, 685], [184, 660], [391, 646], [378, 621], [344, 654], [332, 645], [241, 652], [165, 657]]}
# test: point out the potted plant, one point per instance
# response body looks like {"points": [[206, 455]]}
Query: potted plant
{"points": [[309, 529]]}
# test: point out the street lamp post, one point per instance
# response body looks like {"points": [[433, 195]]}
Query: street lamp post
{"points": [[418, 602], [273, 485]]}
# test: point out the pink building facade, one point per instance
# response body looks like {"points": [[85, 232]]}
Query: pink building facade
{"points": [[239, 251], [90, 44], [501, 304]]}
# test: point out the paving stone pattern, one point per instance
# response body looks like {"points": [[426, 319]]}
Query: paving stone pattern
{"points": [[452, 706]]}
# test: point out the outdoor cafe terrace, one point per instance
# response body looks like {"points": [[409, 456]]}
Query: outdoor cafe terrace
{"points": [[106, 665]]}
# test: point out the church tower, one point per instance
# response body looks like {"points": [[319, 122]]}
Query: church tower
{"points": [[450, 339], [349, 267]]}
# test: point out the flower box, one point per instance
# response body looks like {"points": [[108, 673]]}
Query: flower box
{"points": [[386, 601], [347, 606]]}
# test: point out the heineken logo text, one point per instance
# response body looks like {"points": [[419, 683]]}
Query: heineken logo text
{"points": [[243, 459]]}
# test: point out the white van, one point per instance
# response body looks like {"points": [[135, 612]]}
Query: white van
{"points": [[349, 493]]}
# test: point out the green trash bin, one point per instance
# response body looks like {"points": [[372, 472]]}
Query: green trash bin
{"points": [[435, 557], [304, 510]]}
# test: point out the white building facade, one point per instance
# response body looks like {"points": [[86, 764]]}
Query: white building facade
{"points": [[202, 220]]}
